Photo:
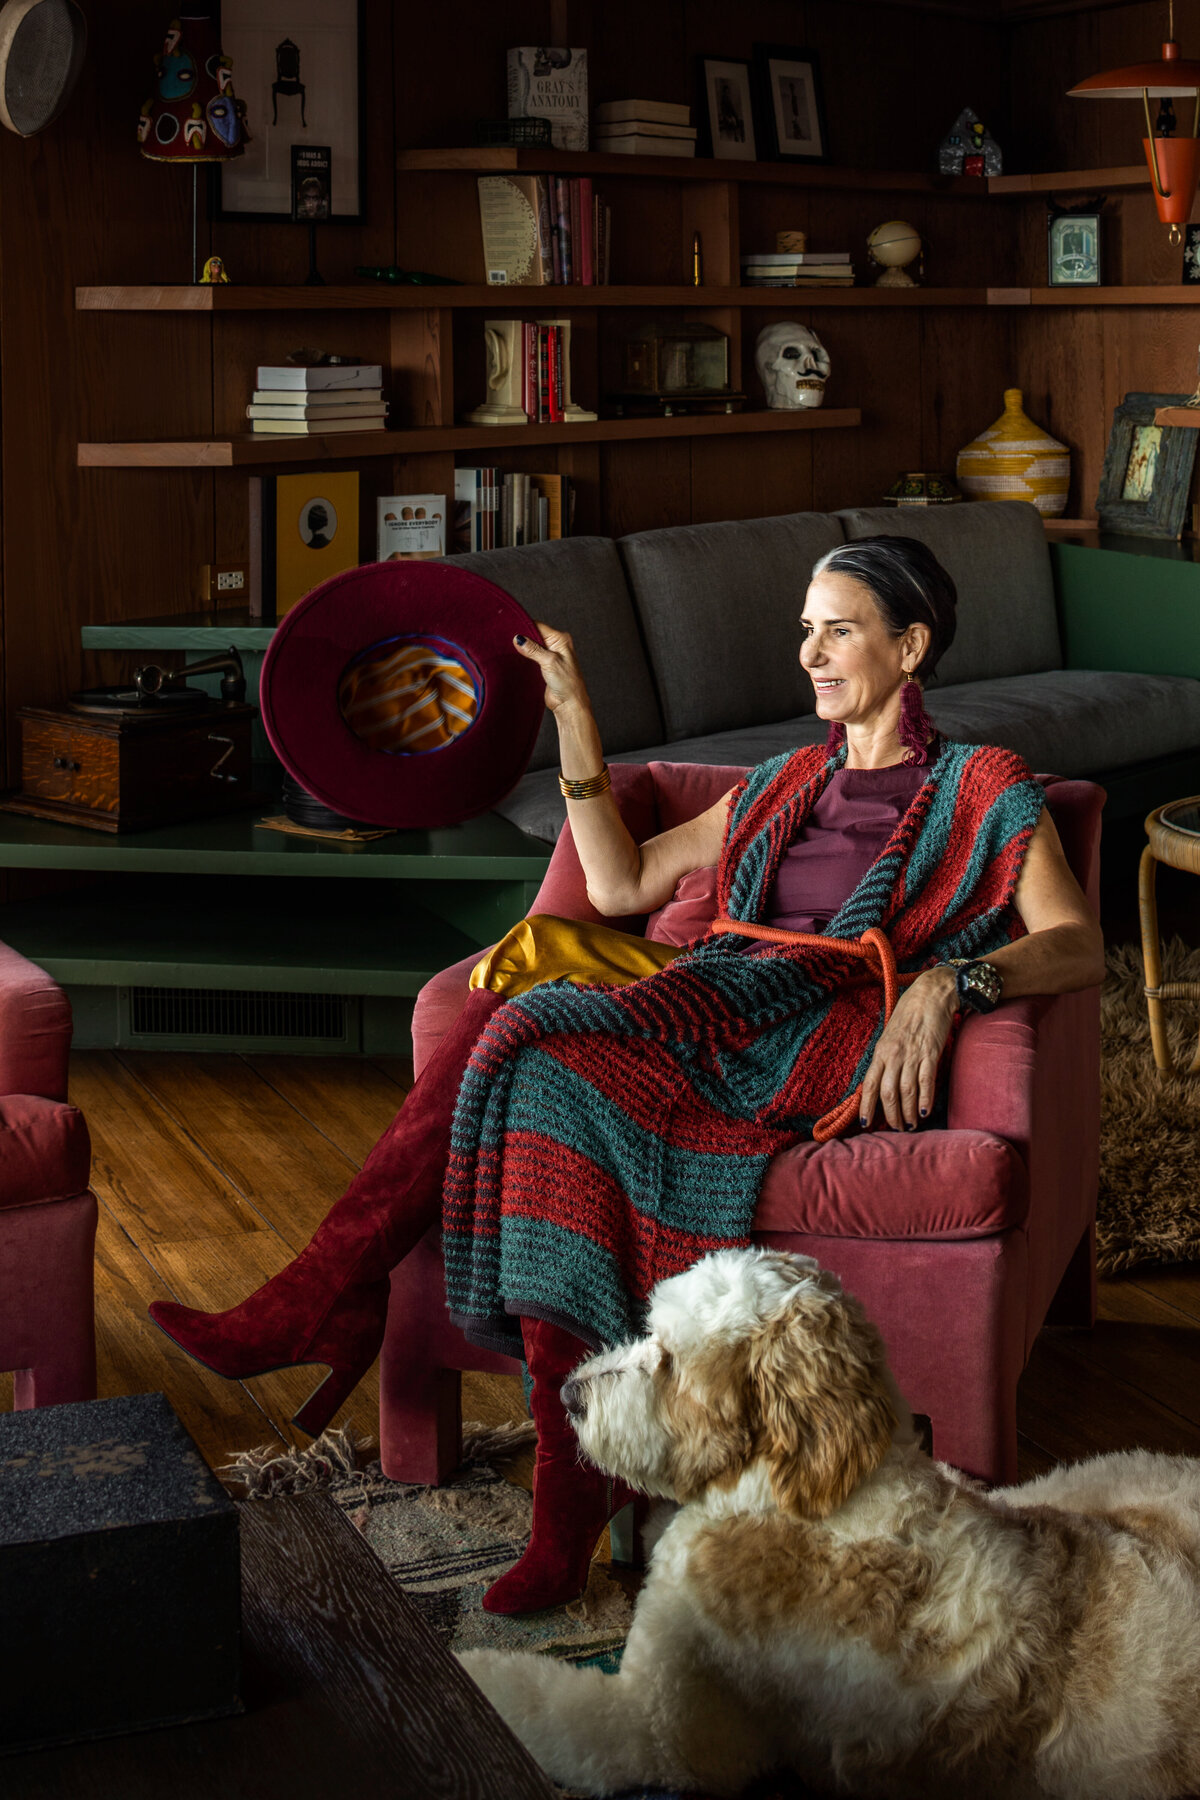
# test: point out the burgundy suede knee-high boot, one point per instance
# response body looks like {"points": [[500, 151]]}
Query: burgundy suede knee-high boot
{"points": [[329, 1305], [572, 1502]]}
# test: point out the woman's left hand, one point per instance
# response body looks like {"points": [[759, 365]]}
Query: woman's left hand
{"points": [[903, 1071]]}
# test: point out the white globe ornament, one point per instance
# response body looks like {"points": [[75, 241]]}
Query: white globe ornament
{"points": [[894, 245]]}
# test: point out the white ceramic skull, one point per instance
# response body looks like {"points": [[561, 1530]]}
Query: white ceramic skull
{"points": [[793, 365]]}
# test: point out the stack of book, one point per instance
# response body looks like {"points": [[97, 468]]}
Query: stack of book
{"points": [[644, 128], [494, 511], [543, 231], [318, 400], [792, 268]]}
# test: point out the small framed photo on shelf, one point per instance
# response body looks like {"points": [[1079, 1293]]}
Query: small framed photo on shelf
{"points": [[1147, 471], [1073, 242], [297, 79], [1191, 254], [727, 109], [792, 113], [310, 183]]}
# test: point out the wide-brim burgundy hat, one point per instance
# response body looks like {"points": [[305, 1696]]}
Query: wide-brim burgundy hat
{"points": [[393, 648]]}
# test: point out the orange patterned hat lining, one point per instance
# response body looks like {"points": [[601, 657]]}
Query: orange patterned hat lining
{"points": [[413, 698]]}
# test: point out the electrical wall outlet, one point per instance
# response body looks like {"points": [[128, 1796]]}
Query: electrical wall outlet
{"points": [[223, 581]]}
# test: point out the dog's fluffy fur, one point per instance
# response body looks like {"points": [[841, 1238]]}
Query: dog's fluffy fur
{"points": [[830, 1601]]}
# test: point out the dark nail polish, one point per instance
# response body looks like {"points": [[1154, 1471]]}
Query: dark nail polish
{"points": [[910, 1128], [924, 1112], [863, 1120], [518, 639]]}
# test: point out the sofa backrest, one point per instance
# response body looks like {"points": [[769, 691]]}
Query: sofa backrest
{"points": [[997, 554], [719, 607], [578, 585]]}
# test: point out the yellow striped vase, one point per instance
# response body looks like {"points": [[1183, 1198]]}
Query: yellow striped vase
{"points": [[1014, 459]]}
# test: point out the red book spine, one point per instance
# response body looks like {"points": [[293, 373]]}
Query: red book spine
{"points": [[587, 233], [556, 410], [543, 412]]}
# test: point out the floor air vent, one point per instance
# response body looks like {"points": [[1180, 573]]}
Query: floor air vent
{"points": [[240, 1018]]}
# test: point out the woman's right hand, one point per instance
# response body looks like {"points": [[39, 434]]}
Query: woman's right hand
{"points": [[555, 656]]}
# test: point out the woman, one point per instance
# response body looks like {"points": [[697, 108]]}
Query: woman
{"points": [[581, 1142]]}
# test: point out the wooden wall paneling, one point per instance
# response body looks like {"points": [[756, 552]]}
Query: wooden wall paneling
{"points": [[1049, 131], [966, 361], [1145, 257], [960, 62], [647, 231], [877, 366], [437, 224], [449, 66], [581, 462], [1057, 363], [421, 357], [635, 51], [765, 210], [872, 125], [770, 475], [645, 484], [711, 208]]}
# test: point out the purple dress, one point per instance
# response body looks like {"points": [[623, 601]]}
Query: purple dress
{"points": [[846, 831]]}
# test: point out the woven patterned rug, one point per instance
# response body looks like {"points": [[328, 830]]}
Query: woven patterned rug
{"points": [[1149, 1209]]}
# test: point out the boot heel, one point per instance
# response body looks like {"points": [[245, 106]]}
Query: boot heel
{"points": [[324, 1401]]}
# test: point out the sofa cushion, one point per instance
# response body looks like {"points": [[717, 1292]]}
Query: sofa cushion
{"points": [[896, 1184], [997, 555], [1074, 721], [45, 1150], [578, 584], [719, 606]]}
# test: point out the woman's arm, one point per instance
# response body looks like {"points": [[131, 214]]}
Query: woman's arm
{"points": [[622, 877], [1064, 951]]}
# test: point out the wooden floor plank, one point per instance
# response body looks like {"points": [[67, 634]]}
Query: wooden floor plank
{"points": [[352, 1103], [1072, 1406]]}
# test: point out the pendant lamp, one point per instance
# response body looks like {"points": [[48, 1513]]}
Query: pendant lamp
{"points": [[1174, 162], [193, 116]]}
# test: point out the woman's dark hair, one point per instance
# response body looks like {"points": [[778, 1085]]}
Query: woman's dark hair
{"points": [[908, 585]]}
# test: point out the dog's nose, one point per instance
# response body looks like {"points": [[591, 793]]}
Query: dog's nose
{"points": [[572, 1396]]}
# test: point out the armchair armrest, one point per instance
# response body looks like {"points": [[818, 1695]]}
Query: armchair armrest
{"points": [[35, 1029]]}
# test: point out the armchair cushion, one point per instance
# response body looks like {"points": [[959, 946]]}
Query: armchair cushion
{"points": [[45, 1150], [896, 1184], [35, 1029]]}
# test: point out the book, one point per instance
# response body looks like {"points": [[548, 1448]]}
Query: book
{"points": [[410, 527], [587, 235], [605, 134], [319, 377], [368, 415], [649, 146], [549, 492], [340, 400], [561, 217], [318, 427], [799, 281], [576, 234], [663, 112], [303, 529], [549, 83], [788, 259], [514, 216], [756, 273]]}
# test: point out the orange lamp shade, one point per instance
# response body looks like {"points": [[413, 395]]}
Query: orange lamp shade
{"points": [[1174, 162]]}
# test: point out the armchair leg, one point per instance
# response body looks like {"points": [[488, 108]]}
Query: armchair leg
{"points": [[1074, 1302]]}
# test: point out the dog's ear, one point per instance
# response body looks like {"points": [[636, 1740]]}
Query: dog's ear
{"points": [[825, 1417]]}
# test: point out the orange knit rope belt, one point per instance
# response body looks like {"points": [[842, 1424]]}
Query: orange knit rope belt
{"points": [[875, 950]]}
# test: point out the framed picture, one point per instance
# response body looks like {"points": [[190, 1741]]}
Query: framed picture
{"points": [[298, 80], [1073, 244], [727, 109], [1191, 253], [793, 116], [1147, 472]]}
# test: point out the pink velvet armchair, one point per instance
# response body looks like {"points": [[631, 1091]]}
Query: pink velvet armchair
{"points": [[47, 1214], [960, 1242]]}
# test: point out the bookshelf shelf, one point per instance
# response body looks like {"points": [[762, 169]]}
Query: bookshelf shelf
{"points": [[468, 160], [249, 448], [336, 299], [1066, 181]]}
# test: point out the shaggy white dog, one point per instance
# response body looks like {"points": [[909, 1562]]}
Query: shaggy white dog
{"points": [[828, 1600]]}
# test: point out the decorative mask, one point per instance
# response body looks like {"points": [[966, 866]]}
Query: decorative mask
{"points": [[193, 115], [793, 366]]}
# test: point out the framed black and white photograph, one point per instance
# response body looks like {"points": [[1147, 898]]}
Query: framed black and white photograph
{"points": [[297, 81], [792, 111], [1147, 473], [727, 110], [1073, 244]]}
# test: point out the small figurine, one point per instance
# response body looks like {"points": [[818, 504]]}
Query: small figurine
{"points": [[969, 148], [214, 272]]}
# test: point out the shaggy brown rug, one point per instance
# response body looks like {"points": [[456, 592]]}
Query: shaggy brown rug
{"points": [[1149, 1209]]}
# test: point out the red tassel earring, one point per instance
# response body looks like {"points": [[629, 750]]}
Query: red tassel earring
{"points": [[835, 739], [916, 730]]}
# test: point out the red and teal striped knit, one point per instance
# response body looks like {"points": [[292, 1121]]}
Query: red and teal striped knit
{"points": [[607, 1137]]}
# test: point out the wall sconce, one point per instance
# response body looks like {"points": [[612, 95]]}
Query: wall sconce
{"points": [[1174, 162]]}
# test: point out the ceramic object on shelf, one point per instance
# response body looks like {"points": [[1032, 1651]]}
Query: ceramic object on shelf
{"points": [[922, 489], [893, 245], [793, 366], [1014, 459]]}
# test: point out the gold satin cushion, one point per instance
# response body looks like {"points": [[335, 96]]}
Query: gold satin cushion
{"points": [[544, 948]]}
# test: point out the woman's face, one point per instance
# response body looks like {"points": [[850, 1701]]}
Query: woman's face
{"points": [[855, 664]]}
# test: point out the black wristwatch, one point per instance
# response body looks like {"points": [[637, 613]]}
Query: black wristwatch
{"points": [[977, 984]]}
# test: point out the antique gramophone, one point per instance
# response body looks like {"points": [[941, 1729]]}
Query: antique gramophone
{"points": [[668, 369], [149, 752]]}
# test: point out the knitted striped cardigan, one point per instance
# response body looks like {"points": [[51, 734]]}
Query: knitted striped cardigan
{"points": [[607, 1137]]}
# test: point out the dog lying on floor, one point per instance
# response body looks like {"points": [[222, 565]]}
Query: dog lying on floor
{"points": [[829, 1600]]}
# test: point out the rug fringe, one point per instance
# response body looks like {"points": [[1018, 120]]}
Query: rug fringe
{"points": [[339, 1457]]}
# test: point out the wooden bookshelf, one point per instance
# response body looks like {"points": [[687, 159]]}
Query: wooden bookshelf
{"points": [[1071, 181], [207, 300], [249, 448], [474, 160]]}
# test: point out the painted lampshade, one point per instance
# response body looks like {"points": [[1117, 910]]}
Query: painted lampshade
{"points": [[1174, 161], [192, 116]]}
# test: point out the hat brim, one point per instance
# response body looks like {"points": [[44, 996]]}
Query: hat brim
{"points": [[345, 616]]}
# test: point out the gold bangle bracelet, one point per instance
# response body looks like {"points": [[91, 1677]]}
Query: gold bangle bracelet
{"points": [[591, 789]]}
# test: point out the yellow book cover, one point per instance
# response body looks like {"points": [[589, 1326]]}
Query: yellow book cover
{"points": [[313, 535]]}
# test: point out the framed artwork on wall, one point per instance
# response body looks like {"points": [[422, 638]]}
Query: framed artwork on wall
{"points": [[298, 80], [1147, 472], [1073, 244], [793, 114], [727, 110], [1191, 254]]}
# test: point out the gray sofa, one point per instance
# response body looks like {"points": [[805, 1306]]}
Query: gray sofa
{"points": [[688, 638]]}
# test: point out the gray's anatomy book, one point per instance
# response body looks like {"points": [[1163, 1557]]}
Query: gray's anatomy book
{"points": [[544, 83]]}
